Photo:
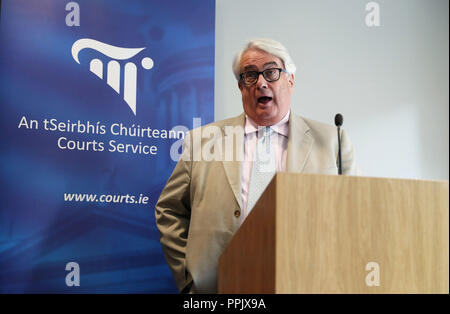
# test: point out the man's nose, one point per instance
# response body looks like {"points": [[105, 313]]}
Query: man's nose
{"points": [[261, 82]]}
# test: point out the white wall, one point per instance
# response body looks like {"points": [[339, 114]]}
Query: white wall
{"points": [[389, 82]]}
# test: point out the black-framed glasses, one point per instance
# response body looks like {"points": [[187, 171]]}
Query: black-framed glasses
{"points": [[270, 75]]}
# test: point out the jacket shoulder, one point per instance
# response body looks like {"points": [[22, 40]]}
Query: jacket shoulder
{"points": [[319, 130], [235, 121], [238, 120]]}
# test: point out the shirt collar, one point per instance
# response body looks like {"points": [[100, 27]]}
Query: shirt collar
{"points": [[282, 127]]}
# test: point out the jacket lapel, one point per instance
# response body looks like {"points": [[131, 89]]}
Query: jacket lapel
{"points": [[300, 143], [233, 167]]}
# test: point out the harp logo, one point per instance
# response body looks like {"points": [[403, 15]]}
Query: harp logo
{"points": [[114, 68]]}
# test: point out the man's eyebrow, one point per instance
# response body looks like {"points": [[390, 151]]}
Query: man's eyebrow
{"points": [[250, 67], [270, 63], [254, 67]]}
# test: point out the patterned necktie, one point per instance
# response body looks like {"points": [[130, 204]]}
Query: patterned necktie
{"points": [[264, 167]]}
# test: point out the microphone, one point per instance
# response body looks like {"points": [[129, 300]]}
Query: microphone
{"points": [[338, 121]]}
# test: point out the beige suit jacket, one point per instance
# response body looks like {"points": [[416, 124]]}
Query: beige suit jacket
{"points": [[198, 210]]}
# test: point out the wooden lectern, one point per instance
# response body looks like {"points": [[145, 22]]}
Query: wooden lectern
{"points": [[339, 234]]}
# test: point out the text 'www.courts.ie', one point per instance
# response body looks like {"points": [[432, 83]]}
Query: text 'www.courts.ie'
{"points": [[106, 198]]}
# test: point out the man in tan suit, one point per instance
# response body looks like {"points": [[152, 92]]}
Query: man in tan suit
{"points": [[206, 199]]}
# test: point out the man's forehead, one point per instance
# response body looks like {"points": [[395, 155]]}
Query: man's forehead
{"points": [[253, 58]]}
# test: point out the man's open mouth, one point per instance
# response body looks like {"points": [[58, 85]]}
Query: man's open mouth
{"points": [[264, 99]]}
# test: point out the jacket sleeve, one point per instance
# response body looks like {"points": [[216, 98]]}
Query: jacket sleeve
{"points": [[172, 214], [349, 166]]}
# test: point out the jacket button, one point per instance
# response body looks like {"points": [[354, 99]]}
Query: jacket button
{"points": [[237, 213]]}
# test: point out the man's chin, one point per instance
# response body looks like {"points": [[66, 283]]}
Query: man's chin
{"points": [[265, 105], [266, 116]]}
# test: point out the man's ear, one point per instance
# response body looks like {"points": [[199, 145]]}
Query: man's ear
{"points": [[240, 85], [291, 79]]}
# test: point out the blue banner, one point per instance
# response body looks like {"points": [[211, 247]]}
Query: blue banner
{"points": [[95, 99]]}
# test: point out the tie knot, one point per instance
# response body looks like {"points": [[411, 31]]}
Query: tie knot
{"points": [[265, 132], [264, 145]]}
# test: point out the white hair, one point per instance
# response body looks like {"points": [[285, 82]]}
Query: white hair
{"points": [[270, 46]]}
